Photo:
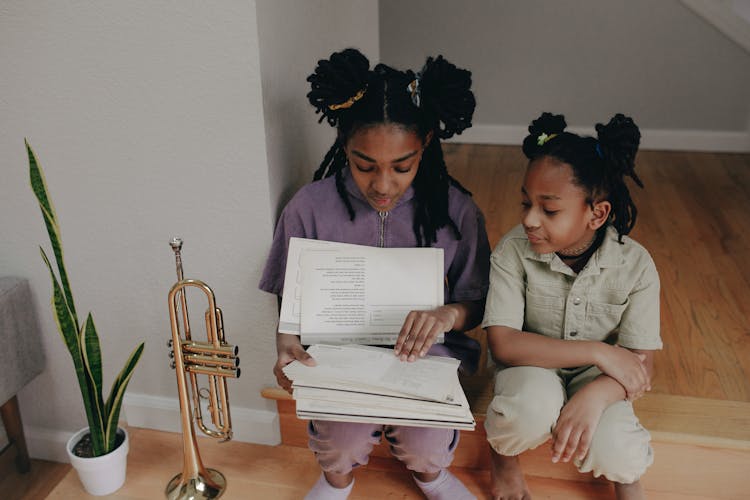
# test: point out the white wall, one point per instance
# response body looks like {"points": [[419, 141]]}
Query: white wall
{"points": [[685, 83], [294, 35], [147, 118]]}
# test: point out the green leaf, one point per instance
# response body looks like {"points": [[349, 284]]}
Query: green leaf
{"points": [[116, 394], [92, 359], [69, 334], [64, 317], [39, 186], [92, 354]]}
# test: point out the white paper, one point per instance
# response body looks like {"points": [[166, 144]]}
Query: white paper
{"points": [[379, 401], [312, 410], [430, 377], [320, 410], [342, 293], [289, 315], [356, 383]]}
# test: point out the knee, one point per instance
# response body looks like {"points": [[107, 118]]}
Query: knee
{"points": [[423, 449], [521, 415], [341, 446], [620, 449]]}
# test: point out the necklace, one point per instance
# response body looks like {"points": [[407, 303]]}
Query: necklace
{"points": [[574, 253]]}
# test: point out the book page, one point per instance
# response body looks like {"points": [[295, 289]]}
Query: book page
{"points": [[381, 402], [349, 412], [342, 411], [289, 315], [363, 295], [430, 378]]}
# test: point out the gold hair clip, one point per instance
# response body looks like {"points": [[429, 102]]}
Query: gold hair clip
{"points": [[544, 138], [349, 102], [414, 91]]}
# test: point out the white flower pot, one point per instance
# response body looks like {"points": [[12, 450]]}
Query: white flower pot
{"points": [[100, 475]]}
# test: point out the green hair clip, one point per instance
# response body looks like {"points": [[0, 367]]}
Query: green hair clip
{"points": [[543, 138]]}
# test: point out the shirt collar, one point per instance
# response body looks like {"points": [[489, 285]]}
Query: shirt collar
{"points": [[609, 254], [353, 190]]}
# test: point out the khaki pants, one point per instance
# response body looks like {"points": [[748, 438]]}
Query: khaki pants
{"points": [[526, 406]]}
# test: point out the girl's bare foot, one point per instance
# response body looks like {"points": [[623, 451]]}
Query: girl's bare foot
{"points": [[632, 491], [507, 478]]}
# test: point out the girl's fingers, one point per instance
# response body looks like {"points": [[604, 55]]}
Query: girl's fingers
{"points": [[421, 337], [572, 445], [404, 333], [412, 335], [584, 443], [430, 339], [421, 348], [418, 334], [303, 357], [560, 440], [284, 382]]}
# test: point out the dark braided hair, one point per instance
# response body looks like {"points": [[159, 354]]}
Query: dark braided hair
{"points": [[350, 96], [599, 165]]}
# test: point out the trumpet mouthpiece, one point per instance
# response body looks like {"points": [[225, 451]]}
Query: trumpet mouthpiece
{"points": [[176, 244]]}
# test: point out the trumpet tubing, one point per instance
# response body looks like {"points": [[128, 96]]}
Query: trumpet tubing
{"points": [[214, 359]]}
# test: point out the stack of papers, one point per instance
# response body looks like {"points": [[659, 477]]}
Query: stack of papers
{"points": [[341, 293], [354, 383]]}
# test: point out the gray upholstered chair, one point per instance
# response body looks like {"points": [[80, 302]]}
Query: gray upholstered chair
{"points": [[21, 357]]}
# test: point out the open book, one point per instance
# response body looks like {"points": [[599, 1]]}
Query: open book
{"points": [[356, 383], [342, 293]]}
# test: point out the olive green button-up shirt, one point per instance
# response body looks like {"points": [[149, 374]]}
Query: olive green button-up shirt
{"points": [[615, 297]]}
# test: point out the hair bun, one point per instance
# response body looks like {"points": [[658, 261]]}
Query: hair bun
{"points": [[619, 140], [337, 80], [446, 92], [548, 124]]}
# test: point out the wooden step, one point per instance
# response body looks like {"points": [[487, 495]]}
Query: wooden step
{"points": [[703, 421], [700, 445]]}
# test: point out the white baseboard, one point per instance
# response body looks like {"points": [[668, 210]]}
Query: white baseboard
{"points": [[655, 139], [163, 414]]}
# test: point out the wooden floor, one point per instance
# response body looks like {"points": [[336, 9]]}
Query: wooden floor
{"points": [[257, 472], [35, 484], [694, 218]]}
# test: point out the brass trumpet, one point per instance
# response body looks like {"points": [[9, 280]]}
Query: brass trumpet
{"points": [[214, 358]]}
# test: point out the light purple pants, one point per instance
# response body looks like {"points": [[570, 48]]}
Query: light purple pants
{"points": [[341, 446]]}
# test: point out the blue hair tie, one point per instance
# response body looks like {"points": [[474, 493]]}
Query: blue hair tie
{"points": [[599, 151]]}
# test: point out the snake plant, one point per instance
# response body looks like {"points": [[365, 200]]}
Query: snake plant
{"points": [[81, 340]]}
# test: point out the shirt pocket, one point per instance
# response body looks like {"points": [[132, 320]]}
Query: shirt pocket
{"points": [[544, 314], [602, 319]]}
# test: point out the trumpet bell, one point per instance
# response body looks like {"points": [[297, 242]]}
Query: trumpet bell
{"points": [[198, 486]]}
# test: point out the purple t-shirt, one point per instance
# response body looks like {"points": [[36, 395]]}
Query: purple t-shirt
{"points": [[317, 212]]}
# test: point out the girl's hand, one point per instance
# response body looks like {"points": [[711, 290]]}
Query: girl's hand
{"points": [[420, 330], [628, 368], [571, 435], [289, 348]]}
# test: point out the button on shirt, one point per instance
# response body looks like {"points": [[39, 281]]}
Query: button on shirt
{"points": [[615, 297]]}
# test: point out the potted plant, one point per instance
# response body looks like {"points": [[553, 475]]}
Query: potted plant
{"points": [[102, 443]]}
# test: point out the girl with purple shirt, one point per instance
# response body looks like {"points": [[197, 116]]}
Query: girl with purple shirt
{"points": [[384, 183]]}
